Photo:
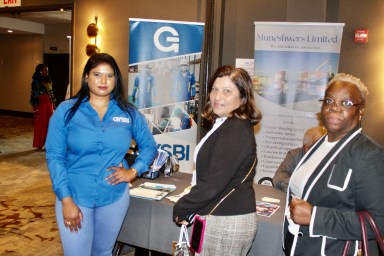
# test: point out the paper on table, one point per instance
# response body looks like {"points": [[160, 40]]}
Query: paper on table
{"points": [[270, 199], [152, 191], [266, 209], [175, 198]]}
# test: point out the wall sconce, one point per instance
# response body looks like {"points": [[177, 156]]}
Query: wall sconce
{"points": [[92, 32]]}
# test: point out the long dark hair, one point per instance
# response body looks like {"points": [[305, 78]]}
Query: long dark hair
{"points": [[117, 92], [243, 82], [37, 74]]}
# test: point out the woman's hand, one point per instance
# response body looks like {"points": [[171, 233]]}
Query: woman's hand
{"points": [[121, 175], [72, 214], [186, 221], [183, 222], [301, 211]]}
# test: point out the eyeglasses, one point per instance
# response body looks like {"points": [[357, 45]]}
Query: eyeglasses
{"points": [[343, 104]]}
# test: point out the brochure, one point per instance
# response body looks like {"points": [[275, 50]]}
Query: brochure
{"points": [[175, 198], [152, 191], [266, 209]]}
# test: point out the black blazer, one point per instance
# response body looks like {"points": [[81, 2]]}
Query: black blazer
{"points": [[222, 163], [342, 184]]}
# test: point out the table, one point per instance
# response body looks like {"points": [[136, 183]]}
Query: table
{"points": [[148, 224]]}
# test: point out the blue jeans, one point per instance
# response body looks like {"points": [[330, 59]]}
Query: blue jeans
{"points": [[99, 228]]}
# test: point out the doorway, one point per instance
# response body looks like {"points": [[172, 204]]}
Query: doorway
{"points": [[58, 66]]}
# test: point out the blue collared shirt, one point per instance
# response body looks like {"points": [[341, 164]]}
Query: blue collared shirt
{"points": [[79, 153]]}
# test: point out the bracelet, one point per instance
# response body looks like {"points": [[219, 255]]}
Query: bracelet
{"points": [[133, 169]]}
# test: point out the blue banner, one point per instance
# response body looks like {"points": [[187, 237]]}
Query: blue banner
{"points": [[164, 39], [163, 82]]}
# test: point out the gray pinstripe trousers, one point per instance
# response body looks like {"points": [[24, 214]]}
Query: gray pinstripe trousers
{"points": [[229, 235]]}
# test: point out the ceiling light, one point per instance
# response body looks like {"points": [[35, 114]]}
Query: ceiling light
{"points": [[10, 31]]}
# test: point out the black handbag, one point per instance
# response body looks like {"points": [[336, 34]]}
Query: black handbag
{"points": [[363, 244]]}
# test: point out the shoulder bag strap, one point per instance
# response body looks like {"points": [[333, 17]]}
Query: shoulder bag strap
{"points": [[375, 229], [364, 233], [363, 244]]}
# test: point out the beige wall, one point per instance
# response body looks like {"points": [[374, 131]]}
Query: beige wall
{"points": [[18, 58], [56, 36], [366, 60]]}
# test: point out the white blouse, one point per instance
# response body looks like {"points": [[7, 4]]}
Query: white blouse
{"points": [[300, 177], [218, 122]]}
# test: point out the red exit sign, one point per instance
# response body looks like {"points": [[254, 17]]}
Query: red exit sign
{"points": [[361, 36], [10, 3]]}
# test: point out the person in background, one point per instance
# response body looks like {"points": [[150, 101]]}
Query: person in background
{"points": [[43, 102], [184, 83], [144, 88], [225, 159], [88, 138], [163, 121], [283, 173], [342, 173], [185, 119]]}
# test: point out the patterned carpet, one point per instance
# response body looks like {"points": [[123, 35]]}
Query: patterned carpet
{"points": [[27, 218]]}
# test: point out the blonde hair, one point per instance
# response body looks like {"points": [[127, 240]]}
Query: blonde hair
{"points": [[352, 80]]}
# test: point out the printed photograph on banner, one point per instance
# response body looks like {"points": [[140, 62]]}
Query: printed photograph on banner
{"points": [[170, 118], [164, 81], [295, 80]]}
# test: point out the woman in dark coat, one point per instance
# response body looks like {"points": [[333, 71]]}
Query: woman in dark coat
{"points": [[341, 174], [225, 166]]}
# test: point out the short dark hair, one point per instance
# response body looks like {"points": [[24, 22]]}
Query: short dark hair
{"points": [[243, 82]]}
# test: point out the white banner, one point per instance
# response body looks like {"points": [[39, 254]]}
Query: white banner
{"points": [[293, 63]]}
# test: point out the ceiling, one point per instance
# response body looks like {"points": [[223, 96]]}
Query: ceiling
{"points": [[63, 16]]}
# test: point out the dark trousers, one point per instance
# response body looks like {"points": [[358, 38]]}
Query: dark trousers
{"points": [[288, 241]]}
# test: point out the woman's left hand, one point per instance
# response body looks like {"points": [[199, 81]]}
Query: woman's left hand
{"points": [[121, 175], [182, 222], [187, 220], [301, 211]]}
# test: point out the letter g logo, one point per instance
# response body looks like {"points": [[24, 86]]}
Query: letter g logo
{"points": [[173, 39]]}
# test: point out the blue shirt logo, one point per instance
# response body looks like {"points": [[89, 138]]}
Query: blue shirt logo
{"points": [[119, 119]]}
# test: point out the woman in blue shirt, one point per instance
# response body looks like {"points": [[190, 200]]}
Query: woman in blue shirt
{"points": [[87, 140]]}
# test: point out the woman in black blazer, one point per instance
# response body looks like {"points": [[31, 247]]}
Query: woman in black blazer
{"points": [[225, 160], [341, 174]]}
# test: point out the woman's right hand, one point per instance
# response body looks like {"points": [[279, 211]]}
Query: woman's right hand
{"points": [[72, 214], [301, 211]]}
